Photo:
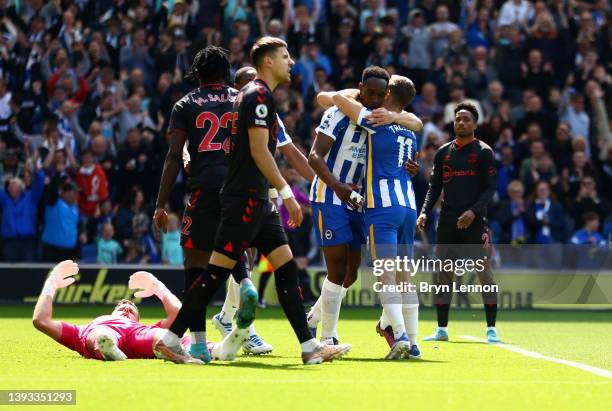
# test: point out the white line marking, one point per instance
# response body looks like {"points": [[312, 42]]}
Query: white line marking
{"points": [[165, 379], [532, 354]]}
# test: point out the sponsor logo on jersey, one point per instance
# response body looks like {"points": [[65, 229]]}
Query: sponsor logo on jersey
{"points": [[448, 173]]}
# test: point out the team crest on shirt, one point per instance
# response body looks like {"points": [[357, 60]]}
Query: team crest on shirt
{"points": [[329, 234], [261, 111]]}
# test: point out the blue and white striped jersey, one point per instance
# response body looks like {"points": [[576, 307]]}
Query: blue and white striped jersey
{"points": [[283, 137], [346, 159], [388, 147]]}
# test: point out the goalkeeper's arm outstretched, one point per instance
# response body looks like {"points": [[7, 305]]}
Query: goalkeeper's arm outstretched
{"points": [[114, 337]]}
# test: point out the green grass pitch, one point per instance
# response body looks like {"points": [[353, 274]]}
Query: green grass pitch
{"points": [[457, 375]]}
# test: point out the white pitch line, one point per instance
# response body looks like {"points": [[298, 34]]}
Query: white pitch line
{"points": [[532, 354]]}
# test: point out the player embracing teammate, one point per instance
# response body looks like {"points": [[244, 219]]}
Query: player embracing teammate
{"points": [[390, 209]]}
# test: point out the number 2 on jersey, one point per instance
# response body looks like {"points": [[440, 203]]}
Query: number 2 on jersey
{"points": [[215, 124]]}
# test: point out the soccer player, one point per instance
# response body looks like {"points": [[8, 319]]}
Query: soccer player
{"points": [[465, 169], [340, 143], [113, 337], [248, 218], [390, 206], [201, 120], [223, 320], [338, 159]]}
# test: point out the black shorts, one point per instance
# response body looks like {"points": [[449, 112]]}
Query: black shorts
{"points": [[201, 219], [248, 222], [471, 242]]}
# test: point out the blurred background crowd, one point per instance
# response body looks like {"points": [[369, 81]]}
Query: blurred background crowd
{"points": [[87, 86]]}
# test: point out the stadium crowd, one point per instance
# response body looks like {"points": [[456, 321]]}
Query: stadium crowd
{"points": [[87, 86]]}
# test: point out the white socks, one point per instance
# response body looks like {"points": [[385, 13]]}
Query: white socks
{"points": [[310, 345], [331, 297], [232, 301], [411, 321], [393, 313], [315, 311]]}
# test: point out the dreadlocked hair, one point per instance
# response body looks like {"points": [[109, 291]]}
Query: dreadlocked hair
{"points": [[210, 64]]}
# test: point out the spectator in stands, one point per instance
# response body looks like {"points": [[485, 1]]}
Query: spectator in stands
{"points": [[417, 57], [509, 55], [528, 165], [537, 73], [19, 228], [344, 71], [561, 147], [133, 158], [545, 216], [61, 227], [589, 233], [515, 13], [572, 175], [589, 200], [506, 171], [172, 252], [457, 94], [576, 116], [542, 169], [481, 80], [140, 247], [426, 105], [441, 30], [109, 249], [136, 55], [93, 65], [93, 184], [480, 32], [512, 215]]}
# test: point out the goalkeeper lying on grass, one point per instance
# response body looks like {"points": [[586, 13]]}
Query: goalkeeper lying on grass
{"points": [[113, 337]]}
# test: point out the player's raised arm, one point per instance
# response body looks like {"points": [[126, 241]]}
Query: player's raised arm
{"points": [[150, 285], [348, 106], [61, 276], [325, 98], [172, 167], [382, 116]]}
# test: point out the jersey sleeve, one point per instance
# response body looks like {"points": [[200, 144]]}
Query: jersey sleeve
{"points": [[70, 337], [330, 120], [258, 107], [177, 118], [361, 121], [283, 137]]}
